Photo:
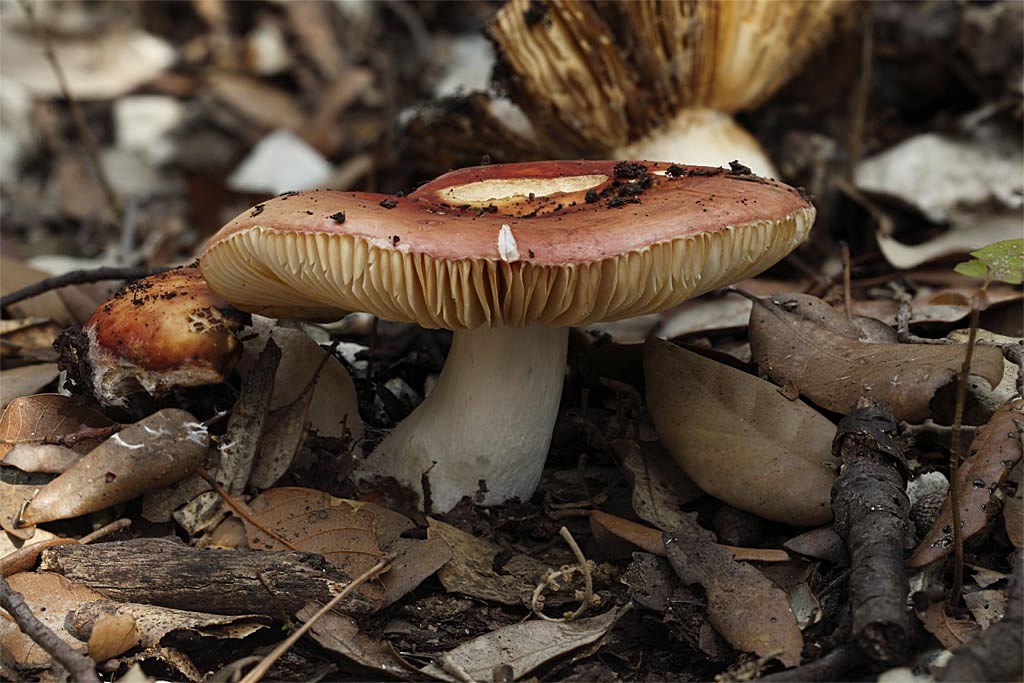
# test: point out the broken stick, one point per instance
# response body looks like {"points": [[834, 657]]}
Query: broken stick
{"points": [[871, 511]]}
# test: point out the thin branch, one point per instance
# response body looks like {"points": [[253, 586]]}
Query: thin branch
{"points": [[77, 277], [259, 671], [847, 296], [91, 148], [80, 667]]}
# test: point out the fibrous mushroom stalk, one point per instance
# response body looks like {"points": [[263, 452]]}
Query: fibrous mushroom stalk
{"points": [[486, 426]]}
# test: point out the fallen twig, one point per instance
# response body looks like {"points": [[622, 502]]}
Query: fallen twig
{"points": [[871, 514], [80, 667], [77, 277], [258, 671]]}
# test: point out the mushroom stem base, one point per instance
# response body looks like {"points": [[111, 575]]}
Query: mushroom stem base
{"points": [[486, 426], [705, 137]]}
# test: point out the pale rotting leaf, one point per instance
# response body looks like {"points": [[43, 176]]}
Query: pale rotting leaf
{"points": [[154, 452], [314, 521], [45, 417], [835, 370], [744, 606], [738, 438], [51, 597], [987, 606], [153, 622], [523, 647], [46, 458], [995, 451], [471, 570]]}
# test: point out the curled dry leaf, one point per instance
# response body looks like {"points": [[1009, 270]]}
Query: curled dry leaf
{"points": [[154, 452], [51, 597], [793, 346], [744, 606], [471, 570], [314, 521], [47, 458], [151, 623], [46, 417], [995, 451], [738, 438], [523, 647]]}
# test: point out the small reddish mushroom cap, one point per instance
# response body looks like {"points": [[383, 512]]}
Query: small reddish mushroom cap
{"points": [[558, 243], [164, 331]]}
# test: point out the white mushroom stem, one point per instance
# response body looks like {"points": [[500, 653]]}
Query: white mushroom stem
{"points": [[486, 426], [705, 137]]}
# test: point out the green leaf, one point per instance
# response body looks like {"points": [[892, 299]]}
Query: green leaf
{"points": [[1003, 261], [973, 268]]}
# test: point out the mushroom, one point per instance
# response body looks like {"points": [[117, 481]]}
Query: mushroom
{"points": [[633, 80], [156, 334], [509, 257]]}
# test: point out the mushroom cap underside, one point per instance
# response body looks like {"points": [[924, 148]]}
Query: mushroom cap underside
{"points": [[556, 243]]}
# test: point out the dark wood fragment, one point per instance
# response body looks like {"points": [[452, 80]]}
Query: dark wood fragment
{"points": [[871, 510], [998, 653], [170, 574], [833, 666]]}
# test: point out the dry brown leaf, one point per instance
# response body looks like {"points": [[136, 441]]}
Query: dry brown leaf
{"points": [[1013, 517], [262, 104], [471, 569], [152, 622], [46, 458], [996, 449], [744, 606], [156, 451], [29, 340], [335, 407], [793, 347], [523, 647], [316, 522], [738, 438], [51, 597], [660, 488], [33, 419], [14, 275], [651, 541], [952, 633], [12, 498], [112, 635], [340, 633]]}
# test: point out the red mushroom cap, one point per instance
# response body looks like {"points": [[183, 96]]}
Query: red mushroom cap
{"points": [[557, 243]]}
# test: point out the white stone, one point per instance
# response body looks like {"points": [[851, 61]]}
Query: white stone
{"points": [[280, 162]]}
